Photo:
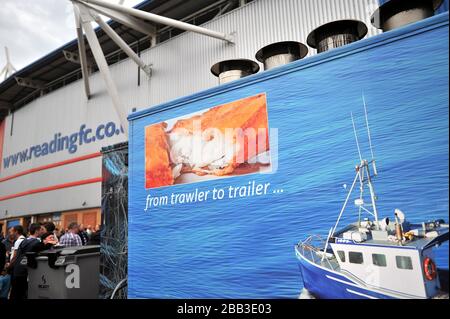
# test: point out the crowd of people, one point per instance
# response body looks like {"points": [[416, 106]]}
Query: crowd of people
{"points": [[39, 237]]}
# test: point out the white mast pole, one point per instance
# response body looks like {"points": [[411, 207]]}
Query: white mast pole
{"points": [[9, 69], [375, 172], [372, 194], [368, 128], [8, 61], [356, 138]]}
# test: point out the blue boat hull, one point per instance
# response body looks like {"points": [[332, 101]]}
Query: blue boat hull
{"points": [[325, 284]]}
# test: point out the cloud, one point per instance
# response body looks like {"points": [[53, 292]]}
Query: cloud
{"points": [[31, 29]]}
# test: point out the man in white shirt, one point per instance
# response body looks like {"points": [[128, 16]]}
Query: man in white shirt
{"points": [[18, 233]]}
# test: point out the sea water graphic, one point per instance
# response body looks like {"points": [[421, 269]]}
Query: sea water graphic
{"points": [[244, 248]]}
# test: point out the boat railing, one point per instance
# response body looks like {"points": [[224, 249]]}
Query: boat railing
{"points": [[312, 249]]}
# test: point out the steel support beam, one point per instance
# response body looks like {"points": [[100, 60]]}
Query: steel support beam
{"points": [[160, 19], [123, 45], [27, 82], [82, 52], [72, 57], [100, 59], [126, 20]]}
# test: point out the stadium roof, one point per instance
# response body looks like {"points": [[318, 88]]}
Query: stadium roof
{"points": [[54, 70]]}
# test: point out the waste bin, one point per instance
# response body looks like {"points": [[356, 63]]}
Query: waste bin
{"points": [[64, 273]]}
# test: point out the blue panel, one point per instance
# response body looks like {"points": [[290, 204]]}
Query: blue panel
{"points": [[12, 223], [244, 247], [443, 7]]}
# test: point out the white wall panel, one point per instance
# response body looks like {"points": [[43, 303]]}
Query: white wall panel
{"points": [[54, 201], [78, 171]]}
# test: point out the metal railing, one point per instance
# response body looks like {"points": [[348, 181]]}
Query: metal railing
{"points": [[309, 248]]}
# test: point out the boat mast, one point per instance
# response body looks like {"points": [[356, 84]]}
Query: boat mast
{"points": [[359, 170], [369, 135], [373, 197], [362, 174]]}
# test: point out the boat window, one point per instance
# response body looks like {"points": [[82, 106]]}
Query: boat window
{"points": [[355, 258], [379, 260], [341, 255], [404, 262]]}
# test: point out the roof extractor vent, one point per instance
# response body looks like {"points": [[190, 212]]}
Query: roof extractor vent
{"points": [[230, 70], [397, 13], [281, 53], [336, 34]]}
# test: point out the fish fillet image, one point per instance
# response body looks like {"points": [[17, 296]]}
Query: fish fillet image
{"points": [[157, 165], [213, 143]]}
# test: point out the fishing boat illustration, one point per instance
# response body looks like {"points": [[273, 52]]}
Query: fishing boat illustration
{"points": [[373, 258]]}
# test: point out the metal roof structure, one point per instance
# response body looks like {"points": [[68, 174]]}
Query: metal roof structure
{"points": [[56, 70]]}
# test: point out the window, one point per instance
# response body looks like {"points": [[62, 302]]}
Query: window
{"points": [[12, 223], [379, 260], [404, 262], [355, 258], [341, 255]]}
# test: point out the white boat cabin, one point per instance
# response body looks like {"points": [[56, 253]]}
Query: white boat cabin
{"points": [[399, 269]]}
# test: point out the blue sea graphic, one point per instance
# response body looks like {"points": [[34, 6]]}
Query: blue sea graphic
{"points": [[244, 247]]}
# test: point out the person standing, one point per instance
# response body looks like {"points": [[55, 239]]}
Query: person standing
{"points": [[71, 238], [57, 233], [83, 235], [47, 237], [95, 237], [18, 234], [4, 277], [6, 272], [50, 230], [9, 243], [2, 256], [19, 280], [89, 231]]}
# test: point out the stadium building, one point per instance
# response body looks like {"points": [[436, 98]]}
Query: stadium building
{"points": [[52, 126]]}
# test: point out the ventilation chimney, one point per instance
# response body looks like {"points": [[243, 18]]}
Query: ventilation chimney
{"points": [[231, 70], [336, 34], [397, 13], [281, 53]]}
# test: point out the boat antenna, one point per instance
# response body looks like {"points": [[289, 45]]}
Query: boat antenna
{"points": [[369, 135], [356, 137], [368, 127]]}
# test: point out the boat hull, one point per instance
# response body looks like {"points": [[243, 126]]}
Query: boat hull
{"points": [[326, 284]]}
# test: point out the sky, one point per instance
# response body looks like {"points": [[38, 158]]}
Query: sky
{"points": [[33, 28]]}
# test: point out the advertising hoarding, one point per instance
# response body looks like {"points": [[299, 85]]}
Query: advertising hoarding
{"points": [[199, 236]]}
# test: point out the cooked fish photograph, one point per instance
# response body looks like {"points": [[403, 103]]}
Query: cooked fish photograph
{"points": [[227, 140]]}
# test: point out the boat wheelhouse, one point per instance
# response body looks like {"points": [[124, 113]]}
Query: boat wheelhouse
{"points": [[365, 263], [373, 258]]}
